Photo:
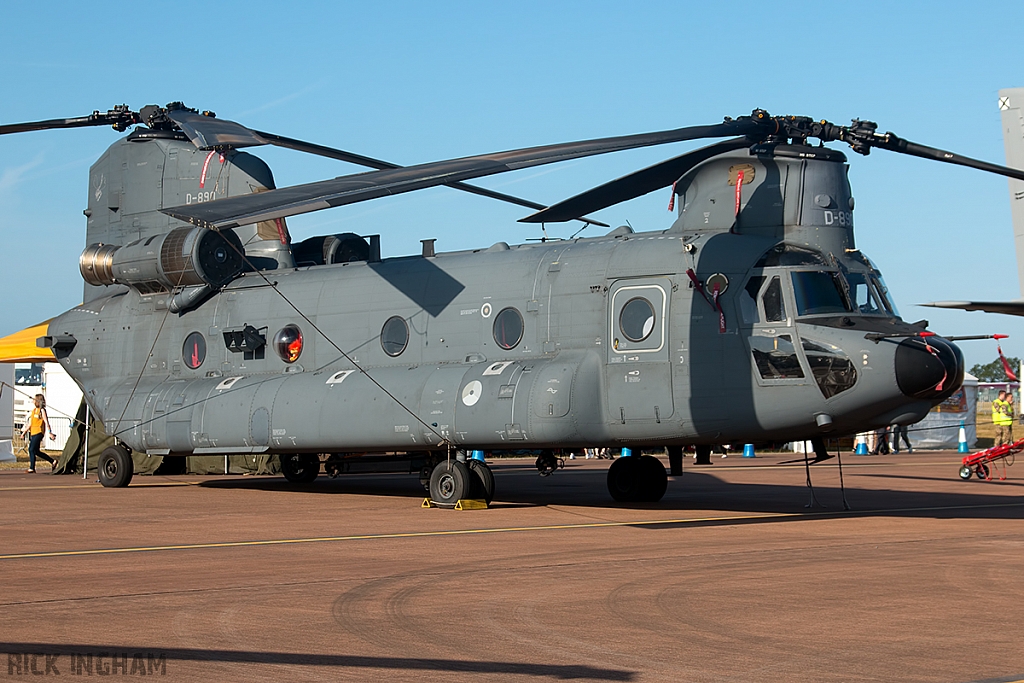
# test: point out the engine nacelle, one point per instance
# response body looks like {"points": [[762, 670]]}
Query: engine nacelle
{"points": [[183, 257]]}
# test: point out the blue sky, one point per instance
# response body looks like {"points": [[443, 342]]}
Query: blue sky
{"points": [[413, 82]]}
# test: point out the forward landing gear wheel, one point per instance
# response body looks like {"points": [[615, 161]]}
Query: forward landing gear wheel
{"points": [[300, 469], [965, 472], [624, 477], [116, 467], [653, 479], [982, 472], [450, 482], [484, 479]]}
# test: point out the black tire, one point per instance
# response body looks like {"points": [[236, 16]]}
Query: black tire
{"points": [[965, 472], [300, 468], [116, 467], [484, 477], [450, 482], [624, 479], [653, 479], [982, 471]]}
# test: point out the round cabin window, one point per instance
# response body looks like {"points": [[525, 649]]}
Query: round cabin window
{"points": [[394, 336], [508, 328], [637, 319], [288, 343], [193, 352]]}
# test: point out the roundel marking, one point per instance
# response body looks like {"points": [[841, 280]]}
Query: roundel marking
{"points": [[485, 310], [471, 392]]}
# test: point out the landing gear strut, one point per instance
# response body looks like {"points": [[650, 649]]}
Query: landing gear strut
{"points": [[637, 479], [300, 468], [548, 462]]}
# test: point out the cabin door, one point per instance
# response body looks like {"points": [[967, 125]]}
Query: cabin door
{"points": [[638, 372]]}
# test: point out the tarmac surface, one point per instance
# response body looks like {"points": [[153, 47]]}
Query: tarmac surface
{"points": [[728, 578]]}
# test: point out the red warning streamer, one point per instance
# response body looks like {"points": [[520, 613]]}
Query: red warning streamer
{"points": [[1006, 365], [715, 305], [739, 190]]}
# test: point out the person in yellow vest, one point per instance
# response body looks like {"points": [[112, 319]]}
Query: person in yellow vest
{"points": [[37, 425], [1002, 418]]}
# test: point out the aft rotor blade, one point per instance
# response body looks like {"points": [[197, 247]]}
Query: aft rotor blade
{"points": [[359, 159], [633, 185], [119, 117], [290, 201], [208, 132]]}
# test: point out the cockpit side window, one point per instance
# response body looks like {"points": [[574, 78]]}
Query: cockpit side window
{"points": [[817, 292], [883, 294], [774, 308], [863, 295], [775, 357], [748, 300]]}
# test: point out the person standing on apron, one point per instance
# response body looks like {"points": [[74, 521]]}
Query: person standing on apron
{"points": [[37, 425]]}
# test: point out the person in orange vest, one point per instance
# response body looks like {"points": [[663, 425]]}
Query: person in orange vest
{"points": [[37, 425]]}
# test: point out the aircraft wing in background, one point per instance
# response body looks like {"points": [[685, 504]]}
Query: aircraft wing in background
{"points": [[1006, 307]]}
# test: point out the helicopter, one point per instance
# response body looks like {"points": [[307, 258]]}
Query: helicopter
{"points": [[752, 317]]}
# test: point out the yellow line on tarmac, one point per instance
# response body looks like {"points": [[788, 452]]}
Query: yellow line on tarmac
{"points": [[497, 530]]}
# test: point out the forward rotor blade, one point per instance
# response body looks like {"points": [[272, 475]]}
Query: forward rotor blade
{"points": [[119, 117], [290, 201], [633, 185], [208, 132], [897, 144]]}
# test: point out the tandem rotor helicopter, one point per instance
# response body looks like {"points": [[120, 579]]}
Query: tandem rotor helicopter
{"points": [[753, 317]]}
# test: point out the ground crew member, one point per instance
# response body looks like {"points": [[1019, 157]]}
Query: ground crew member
{"points": [[38, 424], [1002, 418]]}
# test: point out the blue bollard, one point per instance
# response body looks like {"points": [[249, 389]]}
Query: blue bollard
{"points": [[748, 450], [862, 445], [962, 446], [478, 455], [627, 452]]}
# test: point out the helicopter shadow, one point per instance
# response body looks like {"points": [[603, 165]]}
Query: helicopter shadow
{"points": [[697, 490]]}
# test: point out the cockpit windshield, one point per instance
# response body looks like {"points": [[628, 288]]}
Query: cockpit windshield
{"points": [[818, 292]]}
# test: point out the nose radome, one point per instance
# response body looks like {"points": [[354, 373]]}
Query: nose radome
{"points": [[931, 369]]}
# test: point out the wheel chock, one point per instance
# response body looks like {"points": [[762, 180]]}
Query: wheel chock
{"points": [[461, 504]]}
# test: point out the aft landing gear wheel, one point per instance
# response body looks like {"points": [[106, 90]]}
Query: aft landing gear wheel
{"points": [[450, 482], [300, 468], [982, 471], [116, 467], [653, 479], [484, 479], [965, 472]]}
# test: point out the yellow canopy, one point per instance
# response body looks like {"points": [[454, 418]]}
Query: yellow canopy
{"points": [[20, 347]]}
